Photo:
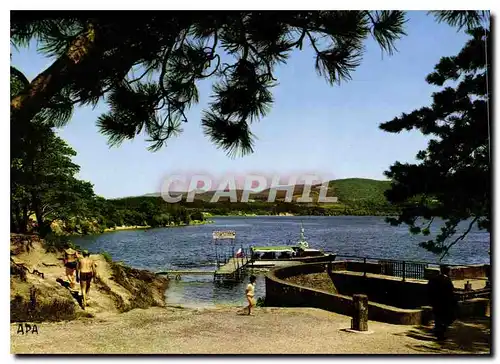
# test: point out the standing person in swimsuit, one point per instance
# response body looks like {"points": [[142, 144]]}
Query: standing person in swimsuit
{"points": [[87, 271], [250, 293], [71, 263]]}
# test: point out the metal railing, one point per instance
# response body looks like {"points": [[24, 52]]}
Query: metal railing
{"points": [[392, 267]]}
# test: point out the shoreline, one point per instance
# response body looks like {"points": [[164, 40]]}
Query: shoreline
{"points": [[145, 227], [297, 215], [206, 222]]}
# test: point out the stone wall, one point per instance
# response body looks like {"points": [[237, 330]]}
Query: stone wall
{"points": [[324, 258], [476, 307], [462, 272], [411, 296], [280, 293], [387, 290], [470, 272], [361, 266]]}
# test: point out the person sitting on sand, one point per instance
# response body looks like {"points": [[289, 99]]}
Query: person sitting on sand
{"points": [[87, 271], [71, 262], [250, 293]]}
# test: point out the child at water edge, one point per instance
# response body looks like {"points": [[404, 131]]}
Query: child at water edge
{"points": [[250, 293]]}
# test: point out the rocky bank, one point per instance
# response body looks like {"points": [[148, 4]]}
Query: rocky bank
{"points": [[38, 292]]}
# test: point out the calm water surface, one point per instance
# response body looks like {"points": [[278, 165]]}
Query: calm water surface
{"points": [[191, 247]]}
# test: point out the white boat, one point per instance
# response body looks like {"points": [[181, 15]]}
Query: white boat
{"points": [[282, 255]]}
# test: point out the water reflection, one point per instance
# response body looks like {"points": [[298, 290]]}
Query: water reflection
{"points": [[202, 291]]}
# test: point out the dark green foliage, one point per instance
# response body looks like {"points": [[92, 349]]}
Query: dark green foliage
{"points": [[172, 51], [96, 56], [142, 211], [43, 184], [43, 179], [55, 243], [453, 177], [18, 81], [352, 190], [462, 19]]}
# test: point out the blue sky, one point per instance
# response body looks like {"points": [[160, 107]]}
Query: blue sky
{"points": [[332, 130]]}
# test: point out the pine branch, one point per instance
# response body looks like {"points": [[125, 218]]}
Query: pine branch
{"points": [[461, 237]]}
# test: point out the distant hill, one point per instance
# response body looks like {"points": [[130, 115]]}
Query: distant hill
{"points": [[360, 189], [349, 190]]}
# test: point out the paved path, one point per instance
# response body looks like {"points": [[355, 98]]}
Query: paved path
{"points": [[223, 331], [477, 283]]}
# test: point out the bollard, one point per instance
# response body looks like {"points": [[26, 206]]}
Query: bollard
{"points": [[360, 312]]}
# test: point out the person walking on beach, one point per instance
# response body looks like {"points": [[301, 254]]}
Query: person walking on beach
{"points": [[250, 293], [87, 271], [71, 262], [443, 302]]}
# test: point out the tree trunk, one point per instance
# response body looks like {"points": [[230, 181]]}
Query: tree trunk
{"points": [[49, 83], [14, 227], [38, 213], [36, 95], [20, 227], [25, 219]]}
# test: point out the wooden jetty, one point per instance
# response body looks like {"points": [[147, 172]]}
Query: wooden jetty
{"points": [[178, 273], [186, 272], [234, 270], [230, 266]]}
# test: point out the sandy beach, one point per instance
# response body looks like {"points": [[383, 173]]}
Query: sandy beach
{"points": [[174, 330]]}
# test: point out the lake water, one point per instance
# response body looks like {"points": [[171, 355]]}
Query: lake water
{"points": [[191, 247]]}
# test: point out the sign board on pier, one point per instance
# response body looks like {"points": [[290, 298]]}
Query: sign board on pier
{"points": [[228, 234]]}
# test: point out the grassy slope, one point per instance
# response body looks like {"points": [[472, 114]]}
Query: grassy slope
{"points": [[360, 189], [347, 190]]}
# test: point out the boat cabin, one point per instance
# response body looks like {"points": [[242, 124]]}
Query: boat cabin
{"points": [[285, 252], [282, 252]]}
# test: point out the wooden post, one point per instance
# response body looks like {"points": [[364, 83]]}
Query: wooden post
{"points": [[329, 267], [364, 267], [360, 312], [404, 270]]}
